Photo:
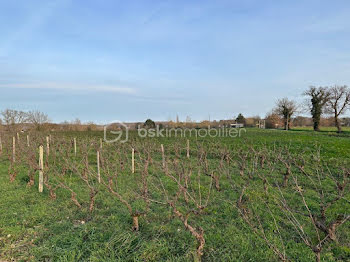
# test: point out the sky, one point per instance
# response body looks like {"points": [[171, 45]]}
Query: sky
{"points": [[112, 60]]}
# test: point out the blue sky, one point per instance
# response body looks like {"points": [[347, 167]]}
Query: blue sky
{"points": [[132, 60]]}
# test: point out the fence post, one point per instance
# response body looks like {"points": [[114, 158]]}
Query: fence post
{"points": [[98, 167], [100, 142], [163, 157], [28, 140], [133, 160], [75, 146], [47, 146], [17, 137], [188, 148], [0, 146], [13, 149], [41, 168]]}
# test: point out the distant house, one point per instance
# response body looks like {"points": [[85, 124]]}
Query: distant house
{"points": [[236, 125]]}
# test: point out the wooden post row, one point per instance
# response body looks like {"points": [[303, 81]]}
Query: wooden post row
{"points": [[133, 160], [48, 146], [163, 156], [188, 148], [98, 167], [75, 146], [41, 169], [13, 149]]}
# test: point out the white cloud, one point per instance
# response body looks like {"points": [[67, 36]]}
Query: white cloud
{"points": [[72, 86]]}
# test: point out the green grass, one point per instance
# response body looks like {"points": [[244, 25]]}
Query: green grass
{"points": [[322, 129], [34, 227]]}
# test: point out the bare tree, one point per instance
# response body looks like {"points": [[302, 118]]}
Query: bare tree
{"points": [[37, 118], [318, 99], [12, 118], [286, 108], [338, 102], [76, 125], [272, 120]]}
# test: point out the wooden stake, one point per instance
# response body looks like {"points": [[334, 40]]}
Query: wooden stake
{"points": [[133, 160], [47, 146], [41, 168], [135, 223], [100, 142], [163, 157], [75, 146], [17, 137], [188, 148], [13, 149], [98, 167], [28, 140]]}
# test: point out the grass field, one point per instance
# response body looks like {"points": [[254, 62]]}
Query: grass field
{"points": [[35, 227], [329, 130]]}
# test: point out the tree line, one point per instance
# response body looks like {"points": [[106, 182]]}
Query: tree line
{"points": [[12, 118], [334, 100]]}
